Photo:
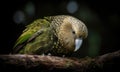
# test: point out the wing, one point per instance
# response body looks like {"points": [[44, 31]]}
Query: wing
{"points": [[30, 33]]}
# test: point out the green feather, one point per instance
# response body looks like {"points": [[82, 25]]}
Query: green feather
{"points": [[30, 32], [22, 39]]}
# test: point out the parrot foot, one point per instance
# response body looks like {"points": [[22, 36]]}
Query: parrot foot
{"points": [[43, 54], [63, 56], [49, 54]]}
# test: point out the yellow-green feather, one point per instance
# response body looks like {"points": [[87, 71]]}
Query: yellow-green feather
{"points": [[30, 30]]}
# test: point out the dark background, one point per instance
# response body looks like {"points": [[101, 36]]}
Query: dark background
{"points": [[101, 18]]}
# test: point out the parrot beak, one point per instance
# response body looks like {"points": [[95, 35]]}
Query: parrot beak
{"points": [[78, 43]]}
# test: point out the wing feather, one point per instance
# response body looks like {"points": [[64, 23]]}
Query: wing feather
{"points": [[31, 31]]}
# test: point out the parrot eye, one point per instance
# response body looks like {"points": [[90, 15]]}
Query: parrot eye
{"points": [[73, 32]]}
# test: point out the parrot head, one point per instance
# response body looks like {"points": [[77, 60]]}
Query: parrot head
{"points": [[71, 33]]}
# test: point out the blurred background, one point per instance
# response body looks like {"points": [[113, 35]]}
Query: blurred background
{"points": [[101, 18]]}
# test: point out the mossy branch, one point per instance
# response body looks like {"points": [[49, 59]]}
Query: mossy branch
{"points": [[40, 63]]}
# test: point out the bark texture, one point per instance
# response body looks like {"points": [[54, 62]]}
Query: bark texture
{"points": [[40, 63]]}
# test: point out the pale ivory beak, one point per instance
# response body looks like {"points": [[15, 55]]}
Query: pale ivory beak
{"points": [[78, 43]]}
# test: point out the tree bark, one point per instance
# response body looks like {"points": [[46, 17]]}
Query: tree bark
{"points": [[40, 63]]}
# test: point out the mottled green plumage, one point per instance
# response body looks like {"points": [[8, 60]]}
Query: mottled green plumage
{"points": [[53, 34], [34, 37]]}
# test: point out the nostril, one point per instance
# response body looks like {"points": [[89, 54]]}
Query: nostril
{"points": [[80, 36]]}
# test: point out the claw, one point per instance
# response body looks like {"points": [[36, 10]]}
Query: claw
{"points": [[43, 54], [63, 56], [49, 54]]}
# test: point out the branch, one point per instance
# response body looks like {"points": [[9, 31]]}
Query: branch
{"points": [[36, 63]]}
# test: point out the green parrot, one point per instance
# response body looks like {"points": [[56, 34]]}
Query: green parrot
{"points": [[58, 35]]}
